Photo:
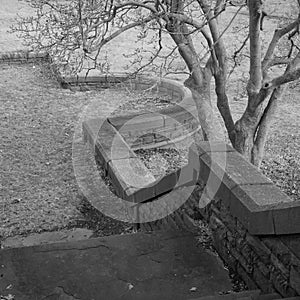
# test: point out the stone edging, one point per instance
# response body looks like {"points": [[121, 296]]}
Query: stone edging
{"points": [[23, 56]]}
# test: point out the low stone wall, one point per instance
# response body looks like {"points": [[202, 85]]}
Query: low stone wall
{"points": [[130, 177], [22, 57], [255, 226], [147, 130]]}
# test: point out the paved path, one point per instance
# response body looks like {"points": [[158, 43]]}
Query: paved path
{"points": [[161, 265]]}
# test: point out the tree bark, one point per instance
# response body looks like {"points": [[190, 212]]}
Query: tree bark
{"points": [[199, 81], [211, 126]]}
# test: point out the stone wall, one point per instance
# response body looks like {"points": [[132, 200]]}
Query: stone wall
{"points": [[160, 129], [22, 57], [264, 259]]}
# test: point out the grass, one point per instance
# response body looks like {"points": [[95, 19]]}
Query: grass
{"points": [[38, 120]]}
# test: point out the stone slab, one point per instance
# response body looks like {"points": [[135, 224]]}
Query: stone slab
{"points": [[286, 217], [33, 239], [141, 121], [138, 195], [166, 183], [130, 173], [230, 168], [105, 141], [207, 147], [256, 206], [161, 265]]}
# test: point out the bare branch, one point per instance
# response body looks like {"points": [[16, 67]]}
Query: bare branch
{"points": [[236, 53], [120, 31], [278, 34], [285, 78]]}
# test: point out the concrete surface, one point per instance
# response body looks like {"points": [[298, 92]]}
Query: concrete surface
{"points": [[161, 265]]}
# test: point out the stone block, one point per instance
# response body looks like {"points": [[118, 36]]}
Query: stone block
{"points": [[135, 123], [246, 277], [259, 265], [295, 278], [257, 220], [186, 176], [263, 283], [166, 183], [254, 205], [281, 285], [148, 139], [159, 138], [248, 268], [292, 242], [105, 141], [286, 215], [284, 271], [279, 249], [207, 147], [130, 173], [233, 169], [138, 195], [228, 220], [263, 252]]}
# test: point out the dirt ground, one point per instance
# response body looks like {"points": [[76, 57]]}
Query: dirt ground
{"points": [[39, 191]]}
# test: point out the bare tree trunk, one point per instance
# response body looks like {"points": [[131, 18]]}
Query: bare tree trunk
{"points": [[246, 126], [212, 129], [200, 77]]}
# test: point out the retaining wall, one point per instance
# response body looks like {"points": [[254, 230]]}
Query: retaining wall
{"points": [[256, 227]]}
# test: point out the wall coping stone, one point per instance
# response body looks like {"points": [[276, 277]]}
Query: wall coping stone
{"points": [[249, 195]]}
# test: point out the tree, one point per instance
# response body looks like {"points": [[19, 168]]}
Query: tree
{"points": [[75, 32]]}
